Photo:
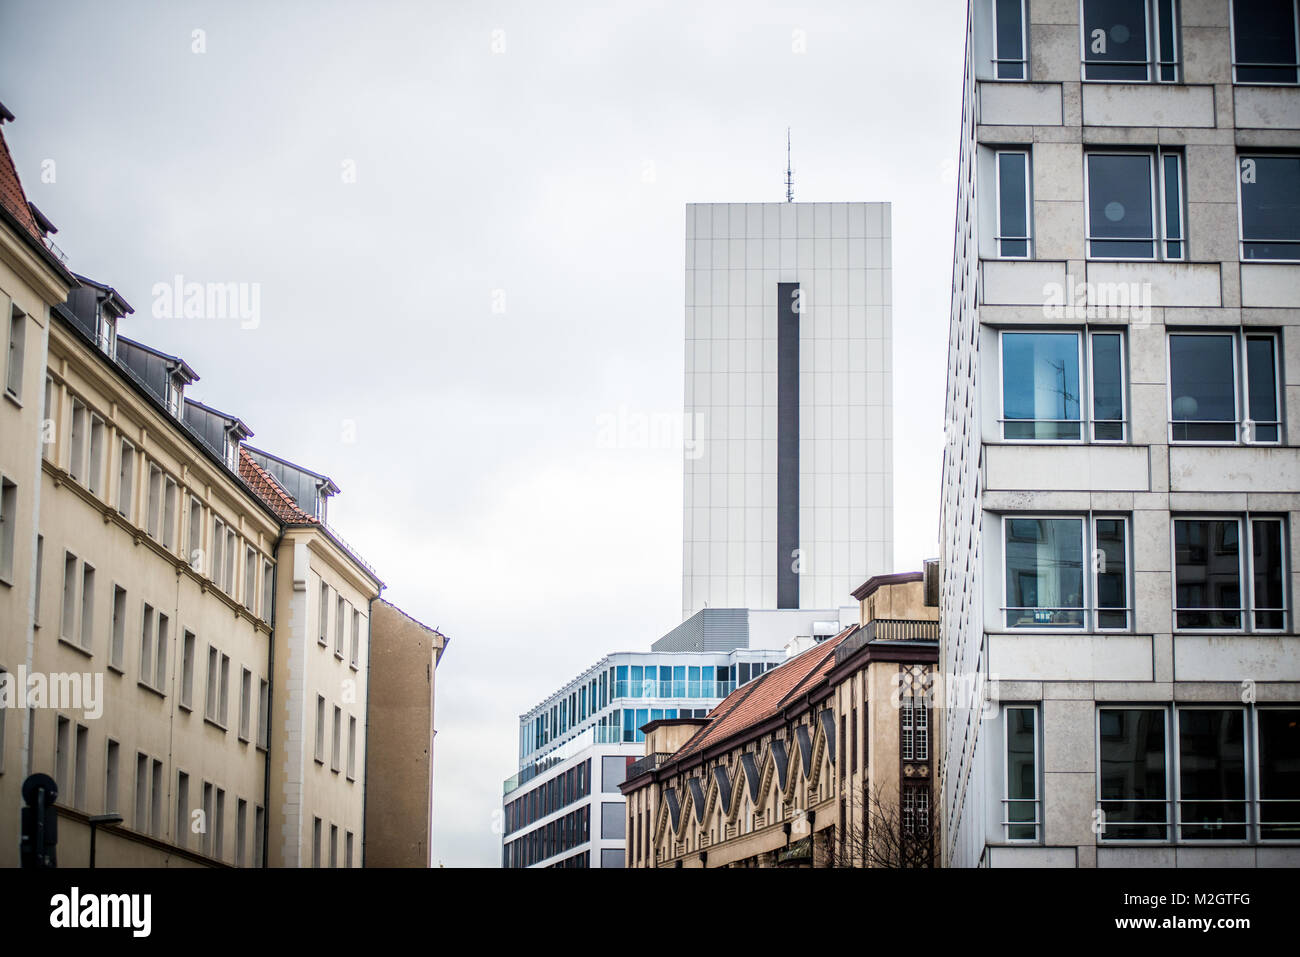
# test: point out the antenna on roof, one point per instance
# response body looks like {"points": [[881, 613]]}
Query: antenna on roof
{"points": [[789, 172]]}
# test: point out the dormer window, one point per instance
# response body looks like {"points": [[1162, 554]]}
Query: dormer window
{"points": [[106, 333], [232, 452], [175, 395], [322, 504]]}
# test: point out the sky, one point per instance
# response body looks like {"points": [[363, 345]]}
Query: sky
{"points": [[464, 225]]}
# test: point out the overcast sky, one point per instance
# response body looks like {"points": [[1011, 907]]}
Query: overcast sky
{"points": [[466, 221]]}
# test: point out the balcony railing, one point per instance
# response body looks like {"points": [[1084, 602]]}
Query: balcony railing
{"points": [[888, 629], [648, 763], [652, 688]]}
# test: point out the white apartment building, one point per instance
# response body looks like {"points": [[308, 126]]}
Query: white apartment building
{"points": [[1121, 485], [788, 495]]}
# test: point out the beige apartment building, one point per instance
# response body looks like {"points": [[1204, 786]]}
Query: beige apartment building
{"points": [[186, 640], [404, 656], [824, 761]]}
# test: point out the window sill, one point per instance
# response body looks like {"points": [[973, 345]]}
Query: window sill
{"points": [[339, 655], [243, 739], [320, 762], [353, 666], [117, 669], [148, 687], [187, 708], [216, 724], [76, 646], [13, 398]]}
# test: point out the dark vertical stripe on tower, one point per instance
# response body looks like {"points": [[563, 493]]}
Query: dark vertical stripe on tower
{"points": [[787, 443]]}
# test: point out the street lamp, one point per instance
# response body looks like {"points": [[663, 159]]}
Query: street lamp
{"points": [[95, 821]]}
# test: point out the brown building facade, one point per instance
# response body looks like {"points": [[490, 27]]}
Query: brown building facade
{"points": [[825, 761]]}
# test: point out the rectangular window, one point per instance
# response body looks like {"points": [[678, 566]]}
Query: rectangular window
{"points": [[1046, 585], [8, 524], [206, 840], [68, 627], [195, 541], [352, 748], [340, 622], [40, 571], [245, 702], [141, 823], [1021, 805], [1134, 205], [1213, 376], [263, 712], [232, 552], [1264, 41], [337, 751], [154, 514], [95, 471], [117, 642], [1269, 200], [111, 786], [182, 809], [146, 644], [17, 349], [1211, 774], [170, 495], [187, 670], [87, 605], [77, 450], [1218, 585], [223, 695], [219, 827], [48, 419], [241, 830], [258, 825], [334, 845], [1041, 397], [79, 759], [268, 590], [164, 643], [356, 637], [320, 729], [210, 700], [1130, 41], [250, 577], [1278, 787], [1014, 204], [315, 842], [156, 800], [1109, 407], [1009, 47], [125, 479], [1133, 782], [323, 613], [347, 849], [218, 551]]}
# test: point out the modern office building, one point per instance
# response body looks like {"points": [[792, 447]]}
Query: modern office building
{"points": [[1121, 479], [184, 642], [788, 499], [563, 807], [824, 761]]}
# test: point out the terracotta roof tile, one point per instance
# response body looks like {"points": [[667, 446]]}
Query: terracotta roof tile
{"points": [[271, 492], [12, 195], [762, 698]]}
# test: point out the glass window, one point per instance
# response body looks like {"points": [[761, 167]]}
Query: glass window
{"points": [[1264, 41], [642, 719], [1205, 387], [1130, 41], [1014, 204], [706, 678], [1279, 774], [1040, 386], [1110, 567], [1208, 574], [1211, 774], [693, 679], [1021, 820], [1010, 62], [1108, 418], [1044, 568], [1270, 207], [1121, 206], [1132, 783]]}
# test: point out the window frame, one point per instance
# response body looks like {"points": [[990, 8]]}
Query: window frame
{"points": [[1037, 799], [1090, 610], [1153, 47], [999, 237], [1245, 572], [1176, 753], [1241, 205], [1241, 337], [1170, 778], [997, 61], [1157, 196], [1255, 792], [1232, 50]]}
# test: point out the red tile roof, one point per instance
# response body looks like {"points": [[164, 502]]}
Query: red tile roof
{"points": [[12, 195], [272, 492], [765, 696]]}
